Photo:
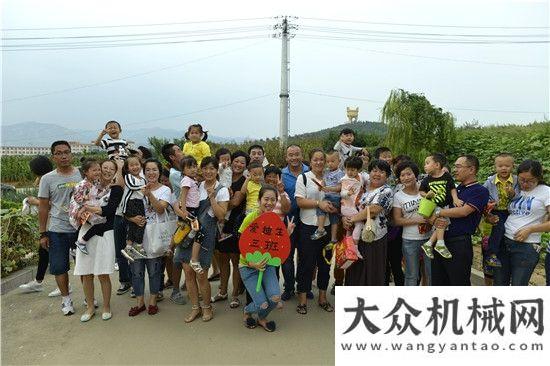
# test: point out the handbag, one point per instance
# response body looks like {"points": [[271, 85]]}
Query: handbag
{"points": [[157, 237], [368, 234], [346, 252]]}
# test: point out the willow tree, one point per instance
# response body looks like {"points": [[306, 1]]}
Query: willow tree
{"points": [[415, 126]]}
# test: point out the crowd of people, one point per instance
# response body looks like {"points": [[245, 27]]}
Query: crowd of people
{"points": [[128, 211]]}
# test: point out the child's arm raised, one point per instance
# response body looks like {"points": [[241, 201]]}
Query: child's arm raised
{"points": [[97, 141]]}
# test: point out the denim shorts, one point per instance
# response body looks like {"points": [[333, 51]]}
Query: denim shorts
{"points": [[60, 244], [334, 218]]}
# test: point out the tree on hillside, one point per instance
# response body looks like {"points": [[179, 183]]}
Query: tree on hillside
{"points": [[415, 126]]}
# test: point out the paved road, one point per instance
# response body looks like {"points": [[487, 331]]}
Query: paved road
{"points": [[34, 331]]}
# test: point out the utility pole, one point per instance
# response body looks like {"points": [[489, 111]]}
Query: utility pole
{"points": [[284, 94]]}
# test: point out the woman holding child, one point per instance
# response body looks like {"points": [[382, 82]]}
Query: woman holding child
{"points": [[157, 198], [378, 196], [100, 259], [214, 199], [309, 197], [520, 249]]}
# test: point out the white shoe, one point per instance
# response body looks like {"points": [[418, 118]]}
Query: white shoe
{"points": [[86, 317], [32, 286], [67, 307], [116, 266], [57, 292]]}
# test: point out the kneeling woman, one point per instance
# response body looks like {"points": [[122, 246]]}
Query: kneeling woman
{"points": [[269, 295]]}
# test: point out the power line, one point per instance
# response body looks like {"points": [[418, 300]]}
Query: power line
{"points": [[451, 108], [134, 44], [201, 110], [427, 57], [370, 31], [181, 32], [137, 25], [131, 75], [426, 25], [415, 40]]}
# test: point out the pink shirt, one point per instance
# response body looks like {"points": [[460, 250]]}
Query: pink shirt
{"points": [[193, 197]]}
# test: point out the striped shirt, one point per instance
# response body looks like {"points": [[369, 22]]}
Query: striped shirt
{"points": [[115, 147], [132, 191]]}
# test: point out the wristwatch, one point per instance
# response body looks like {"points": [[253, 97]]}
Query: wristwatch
{"points": [[437, 212]]}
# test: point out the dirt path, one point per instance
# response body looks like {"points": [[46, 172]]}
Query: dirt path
{"points": [[34, 331]]}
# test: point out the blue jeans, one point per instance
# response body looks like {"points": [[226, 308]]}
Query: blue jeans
{"points": [[497, 233], [334, 218], [518, 263], [262, 301], [154, 268], [120, 226], [60, 244], [287, 268], [411, 253]]}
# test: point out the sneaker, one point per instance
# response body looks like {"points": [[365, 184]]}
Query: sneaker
{"points": [[160, 296], [116, 266], [32, 286], [177, 298], [287, 295], [128, 253], [493, 261], [124, 288], [138, 251], [224, 236], [83, 247], [57, 292], [318, 234], [427, 248], [443, 251], [67, 307], [132, 294], [96, 305]]}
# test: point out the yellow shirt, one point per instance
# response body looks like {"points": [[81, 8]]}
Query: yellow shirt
{"points": [[503, 199], [199, 150], [252, 195]]}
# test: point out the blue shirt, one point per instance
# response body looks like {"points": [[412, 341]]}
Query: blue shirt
{"points": [[289, 181], [332, 178], [475, 195]]}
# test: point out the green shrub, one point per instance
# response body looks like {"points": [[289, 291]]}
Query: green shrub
{"points": [[19, 240]]}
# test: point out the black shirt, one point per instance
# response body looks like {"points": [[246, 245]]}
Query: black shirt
{"points": [[441, 186]]}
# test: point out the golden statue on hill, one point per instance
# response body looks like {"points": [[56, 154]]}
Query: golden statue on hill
{"points": [[352, 114]]}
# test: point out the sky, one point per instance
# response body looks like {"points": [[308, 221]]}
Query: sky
{"points": [[232, 86]]}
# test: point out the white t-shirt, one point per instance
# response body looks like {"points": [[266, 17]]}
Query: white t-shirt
{"points": [[526, 209], [162, 193], [409, 206], [311, 191], [221, 196]]}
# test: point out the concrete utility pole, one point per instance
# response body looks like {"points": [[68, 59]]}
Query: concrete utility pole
{"points": [[283, 95]]}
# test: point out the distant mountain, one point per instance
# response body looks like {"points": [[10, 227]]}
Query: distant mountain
{"points": [[43, 134], [366, 127]]}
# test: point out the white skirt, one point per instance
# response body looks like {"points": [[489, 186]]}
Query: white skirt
{"points": [[100, 259]]}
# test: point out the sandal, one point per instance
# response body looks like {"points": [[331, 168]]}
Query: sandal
{"points": [[301, 309], [235, 303], [214, 277], [153, 309], [250, 322], [219, 297], [195, 313], [136, 310], [326, 306], [270, 326], [196, 266], [207, 315]]}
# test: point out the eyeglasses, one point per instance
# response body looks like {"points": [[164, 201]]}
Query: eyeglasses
{"points": [[527, 181], [62, 153]]}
